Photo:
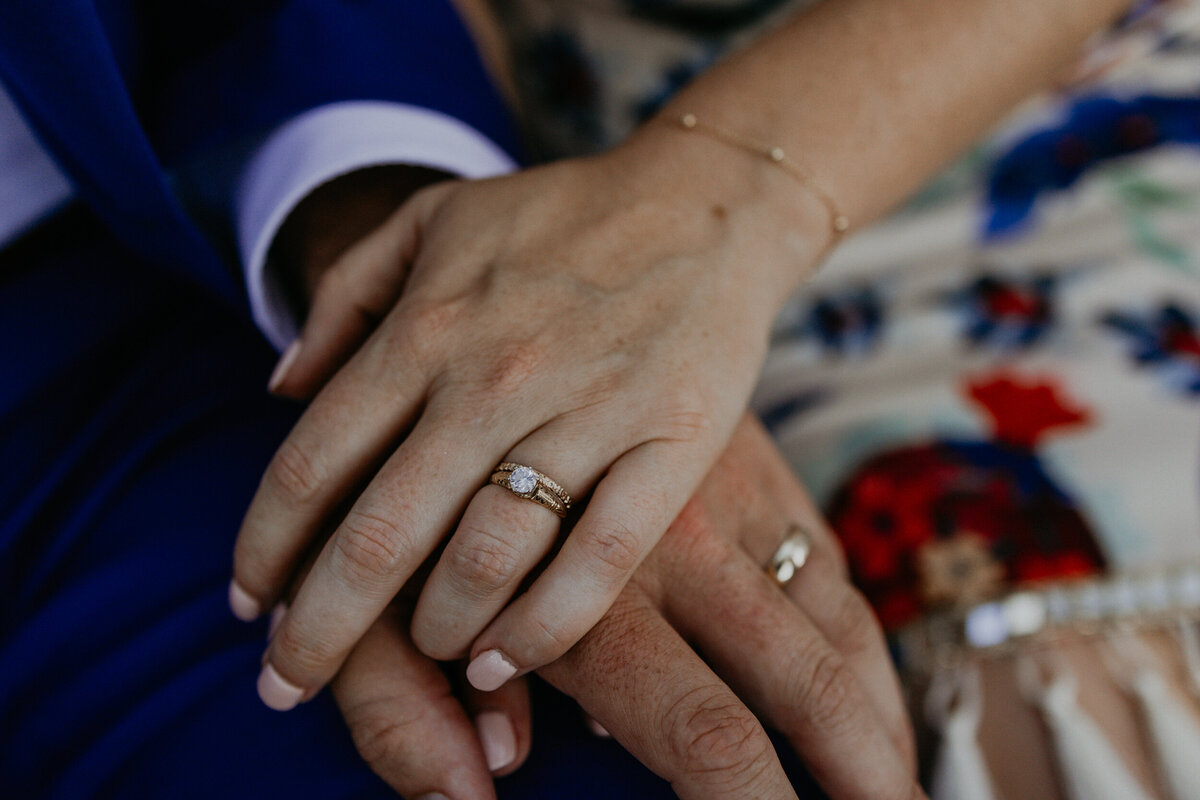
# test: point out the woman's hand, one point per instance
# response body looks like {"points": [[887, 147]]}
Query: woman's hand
{"points": [[809, 661], [601, 320]]}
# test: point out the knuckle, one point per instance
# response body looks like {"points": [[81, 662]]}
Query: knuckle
{"points": [[413, 336], [612, 381], [370, 547], [548, 641], [303, 653], [380, 731], [693, 543], [431, 319], [708, 730], [295, 473], [615, 546], [826, 698], [693, 523], [684, 416], [695, 531], [513, 365], [482, 562]]}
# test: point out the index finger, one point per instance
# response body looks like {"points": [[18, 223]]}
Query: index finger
{"points": [[389, 532], [634, 674], [348, 427]]}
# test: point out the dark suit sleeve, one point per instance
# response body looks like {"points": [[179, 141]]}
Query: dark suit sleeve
{"points": [[221, 72]]}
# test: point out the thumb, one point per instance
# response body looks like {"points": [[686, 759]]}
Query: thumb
{"points": [[352, 297], [405, 720], [503, 723]]}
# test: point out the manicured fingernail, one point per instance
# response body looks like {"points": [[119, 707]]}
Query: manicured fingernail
{"points": [[490, 670], [498, 738], [285, 363], [276, 618], [276, 692], [597, 729], [243, 606]]}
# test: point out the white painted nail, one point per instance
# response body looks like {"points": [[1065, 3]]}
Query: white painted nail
{"points": [[498, 738], [490, 670], [285, 363], [242, 604], [597, 729], [276, 691]]}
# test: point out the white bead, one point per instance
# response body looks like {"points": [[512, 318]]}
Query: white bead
{"points": [[986, 626], [1025, 613]]}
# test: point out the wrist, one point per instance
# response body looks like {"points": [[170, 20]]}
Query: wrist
{"points": [[786, 227]]}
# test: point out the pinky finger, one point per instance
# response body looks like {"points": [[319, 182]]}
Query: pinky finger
{"points": [[352, 296]]}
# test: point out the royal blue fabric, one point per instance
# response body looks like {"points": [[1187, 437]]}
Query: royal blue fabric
{"points": [[123, 93], [133, 430], [133, 420]]}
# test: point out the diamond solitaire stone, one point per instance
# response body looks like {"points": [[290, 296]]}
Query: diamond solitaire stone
{"points": [[523, 480]]}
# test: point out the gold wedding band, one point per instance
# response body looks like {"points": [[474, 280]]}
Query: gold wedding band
{"points": [[526, 482], [791, 555]]}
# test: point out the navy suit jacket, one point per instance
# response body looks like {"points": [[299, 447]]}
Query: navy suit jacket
{"points": [[133, 421], [125, 92]]}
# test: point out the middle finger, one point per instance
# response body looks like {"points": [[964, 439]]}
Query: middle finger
{"points": [[501, 538], [392, 528]]}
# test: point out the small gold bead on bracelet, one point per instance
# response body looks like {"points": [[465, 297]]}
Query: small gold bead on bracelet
{"points": [[839, 222]]}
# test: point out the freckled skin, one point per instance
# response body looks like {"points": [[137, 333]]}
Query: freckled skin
{"points": [[531, 295]]}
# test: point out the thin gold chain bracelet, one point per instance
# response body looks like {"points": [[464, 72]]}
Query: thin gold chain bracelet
{"points": [[839, 222]]}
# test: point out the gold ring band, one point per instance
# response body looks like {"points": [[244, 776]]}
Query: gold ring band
{"points": [[528, 483], [791, 555]]}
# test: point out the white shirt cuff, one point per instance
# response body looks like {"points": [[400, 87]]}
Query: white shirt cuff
{"points": [[327, 142]]}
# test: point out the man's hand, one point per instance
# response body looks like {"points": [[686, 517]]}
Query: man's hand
{"points": [[425, 736], [809, 661]]}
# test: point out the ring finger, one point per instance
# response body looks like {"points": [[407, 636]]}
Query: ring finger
{"points": [[391, 529], [822, 589], [845, 618], [501, 538], [812, 694]]}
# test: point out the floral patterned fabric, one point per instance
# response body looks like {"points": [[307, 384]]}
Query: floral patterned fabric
{"points": [[1000, 384]]}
